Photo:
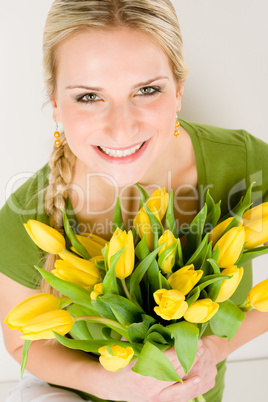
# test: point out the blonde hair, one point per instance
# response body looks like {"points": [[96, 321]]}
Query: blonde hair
{"points": [[68, 17]]}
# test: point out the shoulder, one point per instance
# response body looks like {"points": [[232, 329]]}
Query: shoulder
{"points": [[229, 160], [209, 134], [31, 193]]}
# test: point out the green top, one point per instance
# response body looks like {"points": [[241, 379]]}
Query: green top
{"points": [[227, 162]]}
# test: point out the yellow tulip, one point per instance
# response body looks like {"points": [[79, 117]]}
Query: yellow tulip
{"points": [[143, 226], [31, 307], [185, 279], [37, 316], [258, 296], [92, 243], [96, 292], [157, 203], [75, 269], [171, 304], [218, 230], [230, 245], [256, 226], [169, 261], [125, 264], [45, 237], [42, 326], [201, 311], [229, 286], [119, 358]]}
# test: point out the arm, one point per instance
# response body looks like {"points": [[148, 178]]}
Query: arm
{"points": [[75, 369], [254, 324]]}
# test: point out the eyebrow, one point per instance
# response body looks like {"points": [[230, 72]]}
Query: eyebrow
{"points": [[139, 84]]}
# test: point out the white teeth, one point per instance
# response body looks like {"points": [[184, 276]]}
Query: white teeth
{"points": [[116, 153]]}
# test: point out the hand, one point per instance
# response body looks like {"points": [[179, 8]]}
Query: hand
{"points": [[128, 385], [199, 380]]}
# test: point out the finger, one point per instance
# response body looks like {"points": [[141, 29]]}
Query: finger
{"points": [[185, 391]]}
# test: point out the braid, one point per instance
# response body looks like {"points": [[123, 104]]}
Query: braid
{"points": [[61, 163]]}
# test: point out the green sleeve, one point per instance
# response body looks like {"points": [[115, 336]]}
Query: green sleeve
{"points": [[257, 167], [18, 253]]}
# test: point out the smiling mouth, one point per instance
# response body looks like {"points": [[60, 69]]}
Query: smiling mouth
{"points": [[118, 153]]}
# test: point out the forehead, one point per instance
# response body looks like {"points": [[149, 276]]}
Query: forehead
{"points": [[110, 53]]}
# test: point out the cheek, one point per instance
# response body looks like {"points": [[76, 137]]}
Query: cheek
{"points": [[76, 123]]}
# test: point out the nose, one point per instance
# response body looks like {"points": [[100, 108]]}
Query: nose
{"points": [[122, 125]]}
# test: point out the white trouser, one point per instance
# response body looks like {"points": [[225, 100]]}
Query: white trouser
{"points": [[31, 389]]}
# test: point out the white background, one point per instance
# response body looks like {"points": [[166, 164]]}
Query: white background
{"points": [[226, 47]]}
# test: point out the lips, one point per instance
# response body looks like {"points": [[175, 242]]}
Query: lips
{"points": [[121, 153], [140, 148]]}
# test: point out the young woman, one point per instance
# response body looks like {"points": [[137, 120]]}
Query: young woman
{"points": [[114, 72]]}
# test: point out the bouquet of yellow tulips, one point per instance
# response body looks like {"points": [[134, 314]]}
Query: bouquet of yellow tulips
{"points": [[140, 293]]}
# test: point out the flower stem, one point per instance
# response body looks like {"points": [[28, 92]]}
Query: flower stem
{"points": [[102, 320], [126, 289]]}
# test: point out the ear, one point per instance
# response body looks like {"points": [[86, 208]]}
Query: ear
{"points": [[179, 93], [56, 111]]}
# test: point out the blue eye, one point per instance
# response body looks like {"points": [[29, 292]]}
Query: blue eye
{"points": [[149, 90]]}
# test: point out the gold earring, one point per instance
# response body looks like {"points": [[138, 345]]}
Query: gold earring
{"points": [[176, 132], [57, 142]]}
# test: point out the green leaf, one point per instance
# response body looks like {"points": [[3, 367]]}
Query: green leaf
{"points": [[93, 346], [25, 351], [210, 279], [80, 328], [142, 250], [243, 204], [215, 267], [155, 337], [73, 239], [138, 331], [200, 253], [170, 219], [118, 218], [153, 276], [164, 331], [100, 264], [164, 282], [179, 255], [193, 295], [227, 320], [104, 252], [209, 201], [154, 363], [76, 310], [186, 337], [251, 254], [125, 311], [75, 292], [103, 309], [80, 331], [141, 269], [213, 217], [194, 236], [109, 285], [64, 302], [237, 218], [143, 195]]}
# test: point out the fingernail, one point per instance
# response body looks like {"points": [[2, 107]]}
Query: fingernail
{"points": [[196, 380], [200, 351]]}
